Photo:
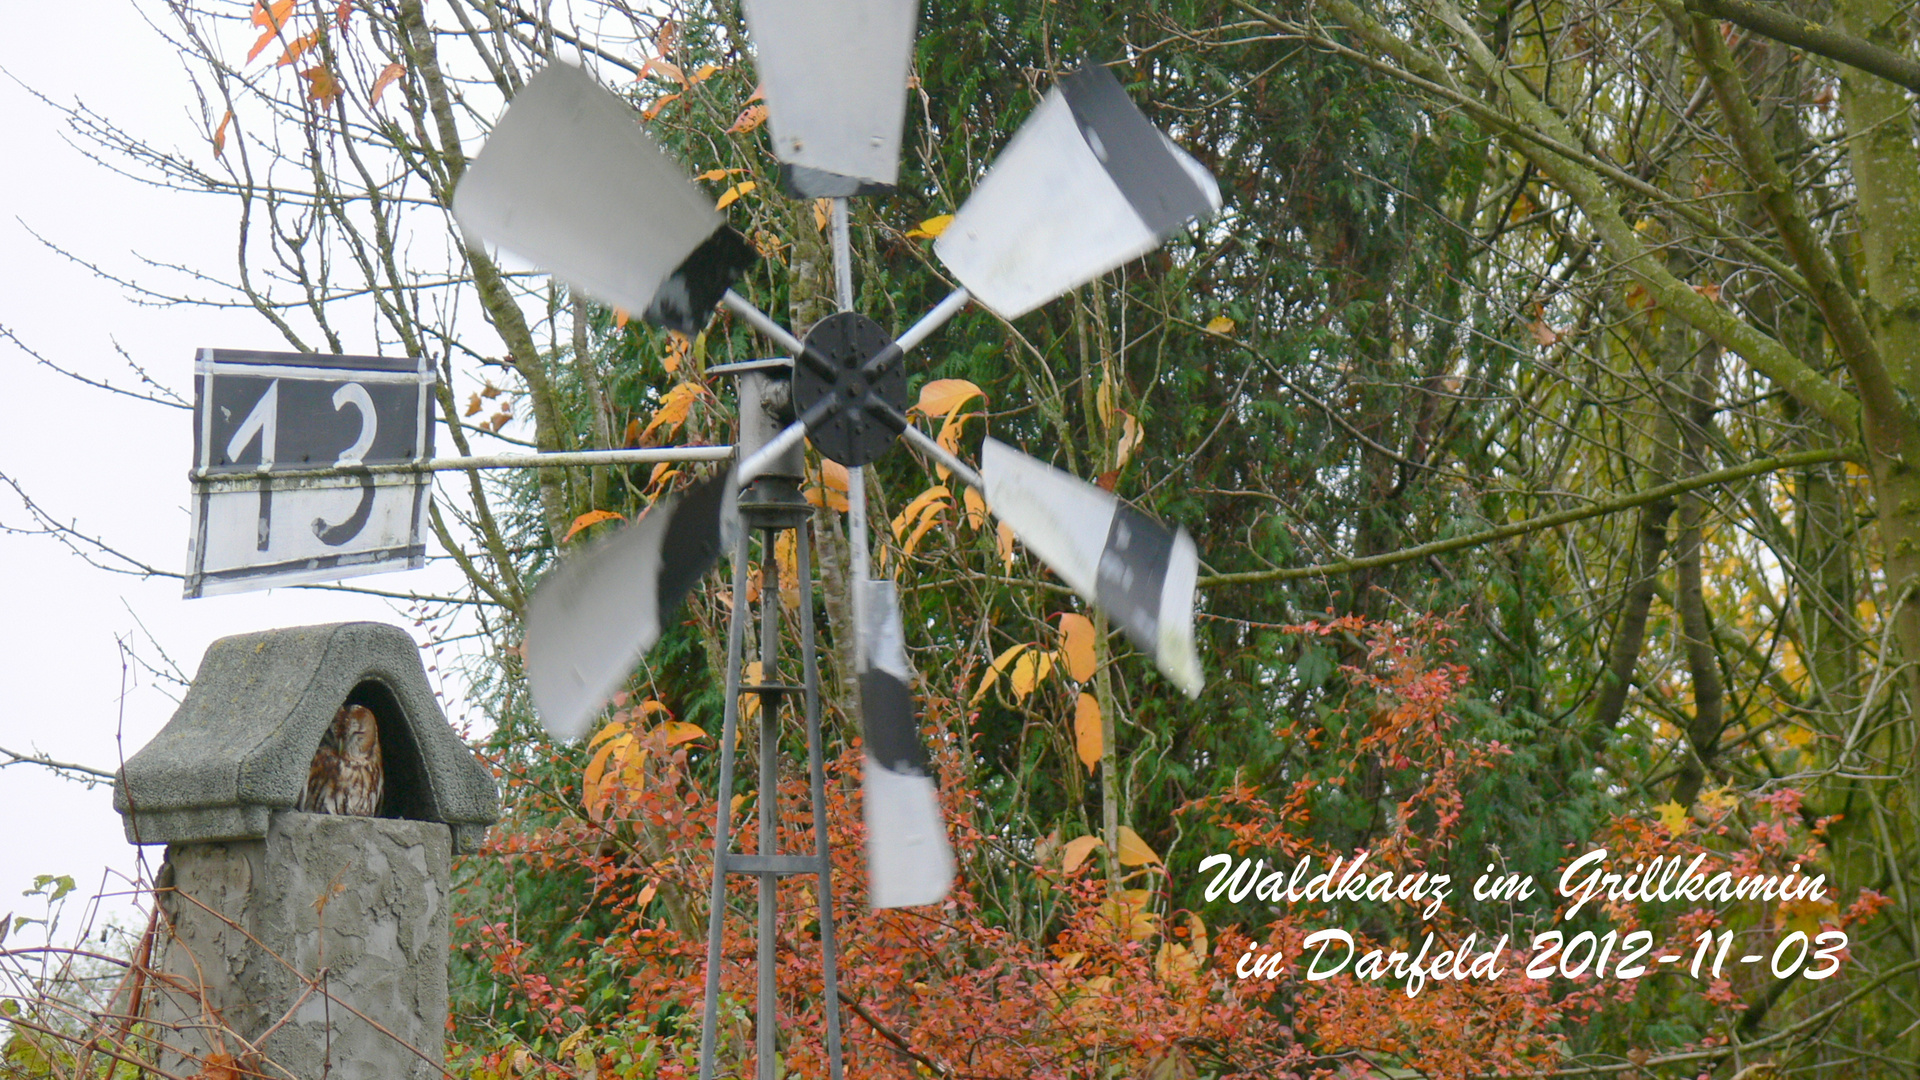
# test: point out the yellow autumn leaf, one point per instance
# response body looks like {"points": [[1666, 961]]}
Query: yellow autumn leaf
{"points": [[1076, 852], [999, 665], [1003, 541], [1674, 817], [749, 703], [1804, 915], [926, 525], [1173, 961], [673, 408], [1133, 850], [931, 228], [750, 118], [1077, 632], [976, 508], [591, 517], [1088, 738], [1103, 402], [705, 72], [1220, 324], [929, 501], [1032, 667], [942, 396], [718, 174], [732, 194], [1131, 436], [822, 214], [639, 904], [1720, 799], [1197, 935]]}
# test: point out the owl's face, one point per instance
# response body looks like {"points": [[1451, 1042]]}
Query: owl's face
{"points": [[356, 732]]}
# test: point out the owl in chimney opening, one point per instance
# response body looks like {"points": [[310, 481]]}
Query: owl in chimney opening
{"points": [[346, 776]]}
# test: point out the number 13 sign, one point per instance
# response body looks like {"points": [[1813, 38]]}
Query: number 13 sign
{"points": [[261, 416]]}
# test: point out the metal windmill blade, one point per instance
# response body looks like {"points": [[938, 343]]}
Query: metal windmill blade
{"points": [[835, 125], [569, 180]]}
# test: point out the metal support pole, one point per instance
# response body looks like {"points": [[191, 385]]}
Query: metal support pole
{"points": [[767, 1019], [817, 776], [717, 899]]}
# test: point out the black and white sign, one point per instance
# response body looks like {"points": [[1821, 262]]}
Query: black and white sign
{"points": [[259, 416]]}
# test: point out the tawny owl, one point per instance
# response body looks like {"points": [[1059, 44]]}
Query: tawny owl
{"points": [[346, 776]]}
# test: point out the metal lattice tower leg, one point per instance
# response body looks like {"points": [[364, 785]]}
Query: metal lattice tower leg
{"points": [[769, 864]]}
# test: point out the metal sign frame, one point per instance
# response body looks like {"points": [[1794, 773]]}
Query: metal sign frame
{"points": [[326, 400]]}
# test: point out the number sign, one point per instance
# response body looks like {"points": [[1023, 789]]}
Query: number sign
{"points": [[260, 415]]}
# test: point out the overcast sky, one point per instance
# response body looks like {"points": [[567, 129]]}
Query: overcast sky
{"points": [[107, 464]]}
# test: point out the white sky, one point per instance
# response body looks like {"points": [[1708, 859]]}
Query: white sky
{"points": [[112, 466]]}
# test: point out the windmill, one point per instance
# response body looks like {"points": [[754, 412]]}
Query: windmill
{"points": [[569, 180]]}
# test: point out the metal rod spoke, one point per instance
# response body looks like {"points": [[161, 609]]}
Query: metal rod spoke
{"points": [[634, 456], [762, 322], [933, 320]]}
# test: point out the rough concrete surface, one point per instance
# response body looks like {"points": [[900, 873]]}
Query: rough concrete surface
{"points": [[356, 906], [240, 743]]}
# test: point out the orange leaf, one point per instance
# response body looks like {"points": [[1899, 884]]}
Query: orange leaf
{"points": [[679, 731], [834, 475], [300, 45], [1078, 631], [822, 214], [750, 118], [1088, 738], [1003, 540], [976, 509], [220, 134], [388, 76], [706, 71], [474, 406], [591, 517], [653, 110], [340, 13], [717, 174], [1711, 290], [322, 86], [631, 437], [1076, 852], [272, 18], [942, 396], [620, 318], [1543, 335]]}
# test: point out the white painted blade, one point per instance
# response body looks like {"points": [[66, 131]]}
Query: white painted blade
{"points": [[571, 182], [1118, 559], [589, 621], [909, 861], [835, 74], [1085, 185]]}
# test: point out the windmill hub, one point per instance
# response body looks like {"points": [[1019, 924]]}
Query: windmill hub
{"points": [[851, 361]]}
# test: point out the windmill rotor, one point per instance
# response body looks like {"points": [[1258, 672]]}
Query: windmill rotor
{"points": [[570, 180]]}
